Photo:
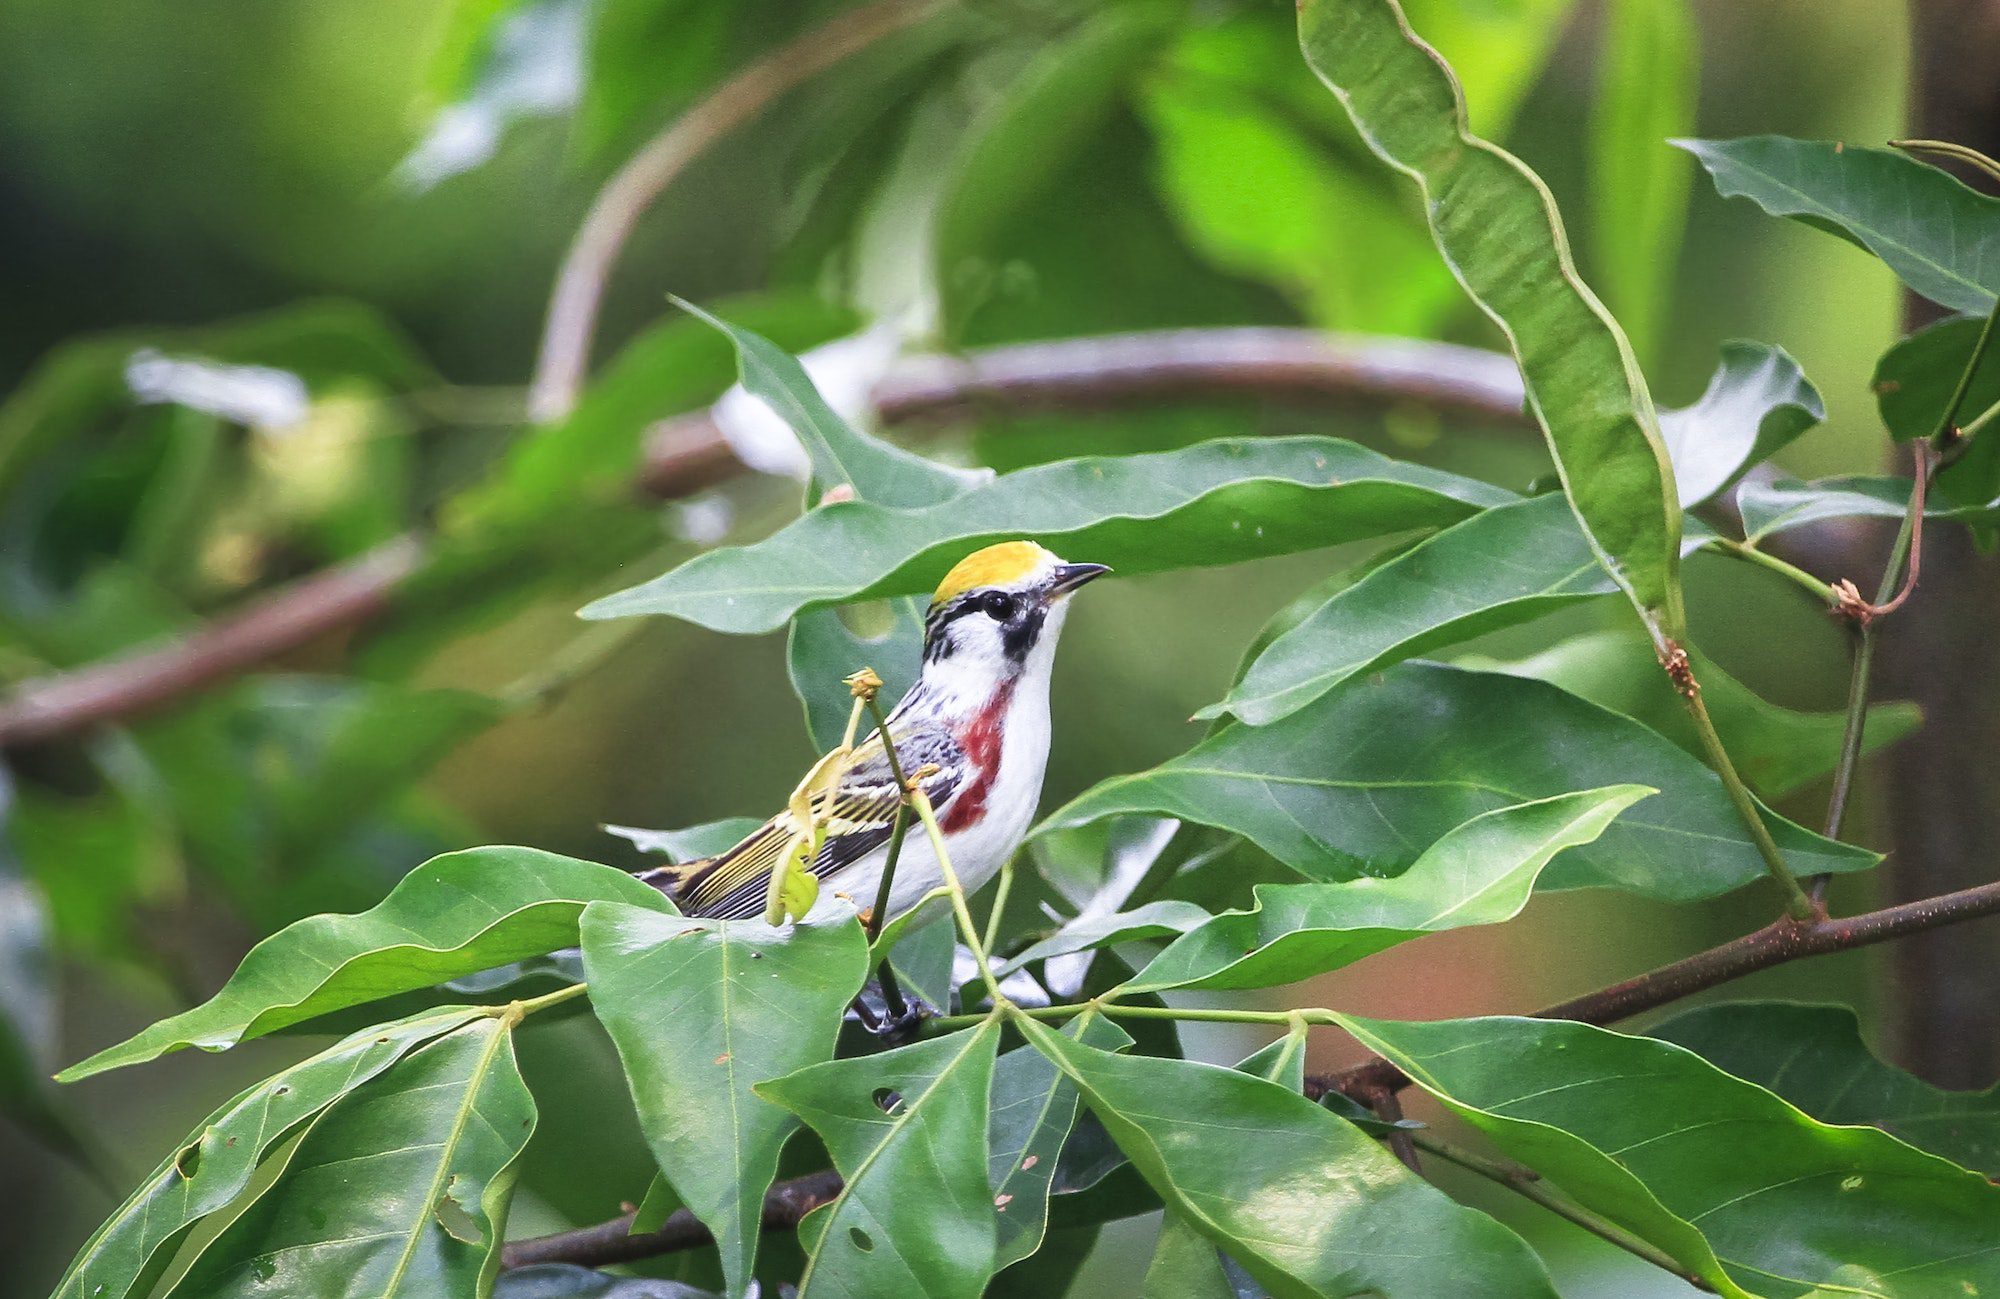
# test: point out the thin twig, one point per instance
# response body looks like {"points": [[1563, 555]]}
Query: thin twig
{"points": [[1679, 670], [1388, 1107], [1528, 1184], [878, 915], [610, 1242], [1778, 943], [689, 454], [586, 268], [1908, 544]]}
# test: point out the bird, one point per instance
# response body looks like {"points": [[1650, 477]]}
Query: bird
{"points": [[972, 733]]}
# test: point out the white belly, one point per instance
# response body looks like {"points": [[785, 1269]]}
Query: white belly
{"points": [[977, 852]]}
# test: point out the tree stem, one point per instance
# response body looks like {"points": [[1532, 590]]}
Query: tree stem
{"points": [[1743, 550], [1527, 1183], [1797, 905], [1902, 551]]}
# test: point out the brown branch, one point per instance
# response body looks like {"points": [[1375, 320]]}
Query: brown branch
{"points": [[266, 627], [613, 1242], [688, 454], [1778, 943], [586, 268]]}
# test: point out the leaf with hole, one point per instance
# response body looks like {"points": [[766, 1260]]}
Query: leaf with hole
{"points": [[1706, 1166], [1480, 873], [1303, 1200], [701, 1009], [399, 1191], [218, 1160], [908, 1131], [1498, 229], [1363, 780], [454, 915]]}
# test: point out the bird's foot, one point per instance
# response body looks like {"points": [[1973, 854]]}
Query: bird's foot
{"points": [[894, 1025]]}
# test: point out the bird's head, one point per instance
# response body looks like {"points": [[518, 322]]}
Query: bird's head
{"points": [[999, 610]]}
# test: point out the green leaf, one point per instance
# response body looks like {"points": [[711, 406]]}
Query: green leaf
{"points": [[907, 1130], [1777, 750], [1915, 379], [1660, 1141], [1481, 873], [701, 1009], [1166, 918], [1499, 568], [823, 650], [1186, 1265], [453, 915], [1303, 1200], [1034, 1108], [1814, 1057], [1648, 75], [568, 1281], [1216, 503], [1940, 235], [693, 843], [1364, 780], [217, 1161], [399, 1190], [1276, 188], [1775, 507], [880, 472], [1498, 229], [1757, 402]]}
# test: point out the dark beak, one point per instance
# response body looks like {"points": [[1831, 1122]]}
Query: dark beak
{"points": [[1068, 577]]}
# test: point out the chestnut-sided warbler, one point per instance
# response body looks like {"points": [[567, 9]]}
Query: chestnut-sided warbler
{"points": [[977, 722]]}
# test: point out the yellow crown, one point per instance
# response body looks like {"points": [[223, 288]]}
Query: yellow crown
{"points": [[1008, 562]]}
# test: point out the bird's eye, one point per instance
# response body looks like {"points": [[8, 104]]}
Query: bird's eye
{"points": [[999, 606]]}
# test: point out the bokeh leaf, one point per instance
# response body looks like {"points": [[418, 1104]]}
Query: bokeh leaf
{"points": [[1937, 233], [1364, 780], [908, 1131], [1499, 230], [1216, 503], [454, 915], [1814, 1057], [399, 1191], [1296, 1195], [701, 1009], [1648, 80], [217, 1161], [1480, 873], [1660, 1141]]}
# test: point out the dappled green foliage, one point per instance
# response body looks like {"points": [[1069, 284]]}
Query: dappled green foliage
{"points": [[1351, 796]]}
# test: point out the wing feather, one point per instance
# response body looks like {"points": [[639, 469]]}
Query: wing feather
{"points": [[732, 885]]}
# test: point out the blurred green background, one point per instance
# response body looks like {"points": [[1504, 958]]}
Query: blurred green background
{"points": [[168, 170]]}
